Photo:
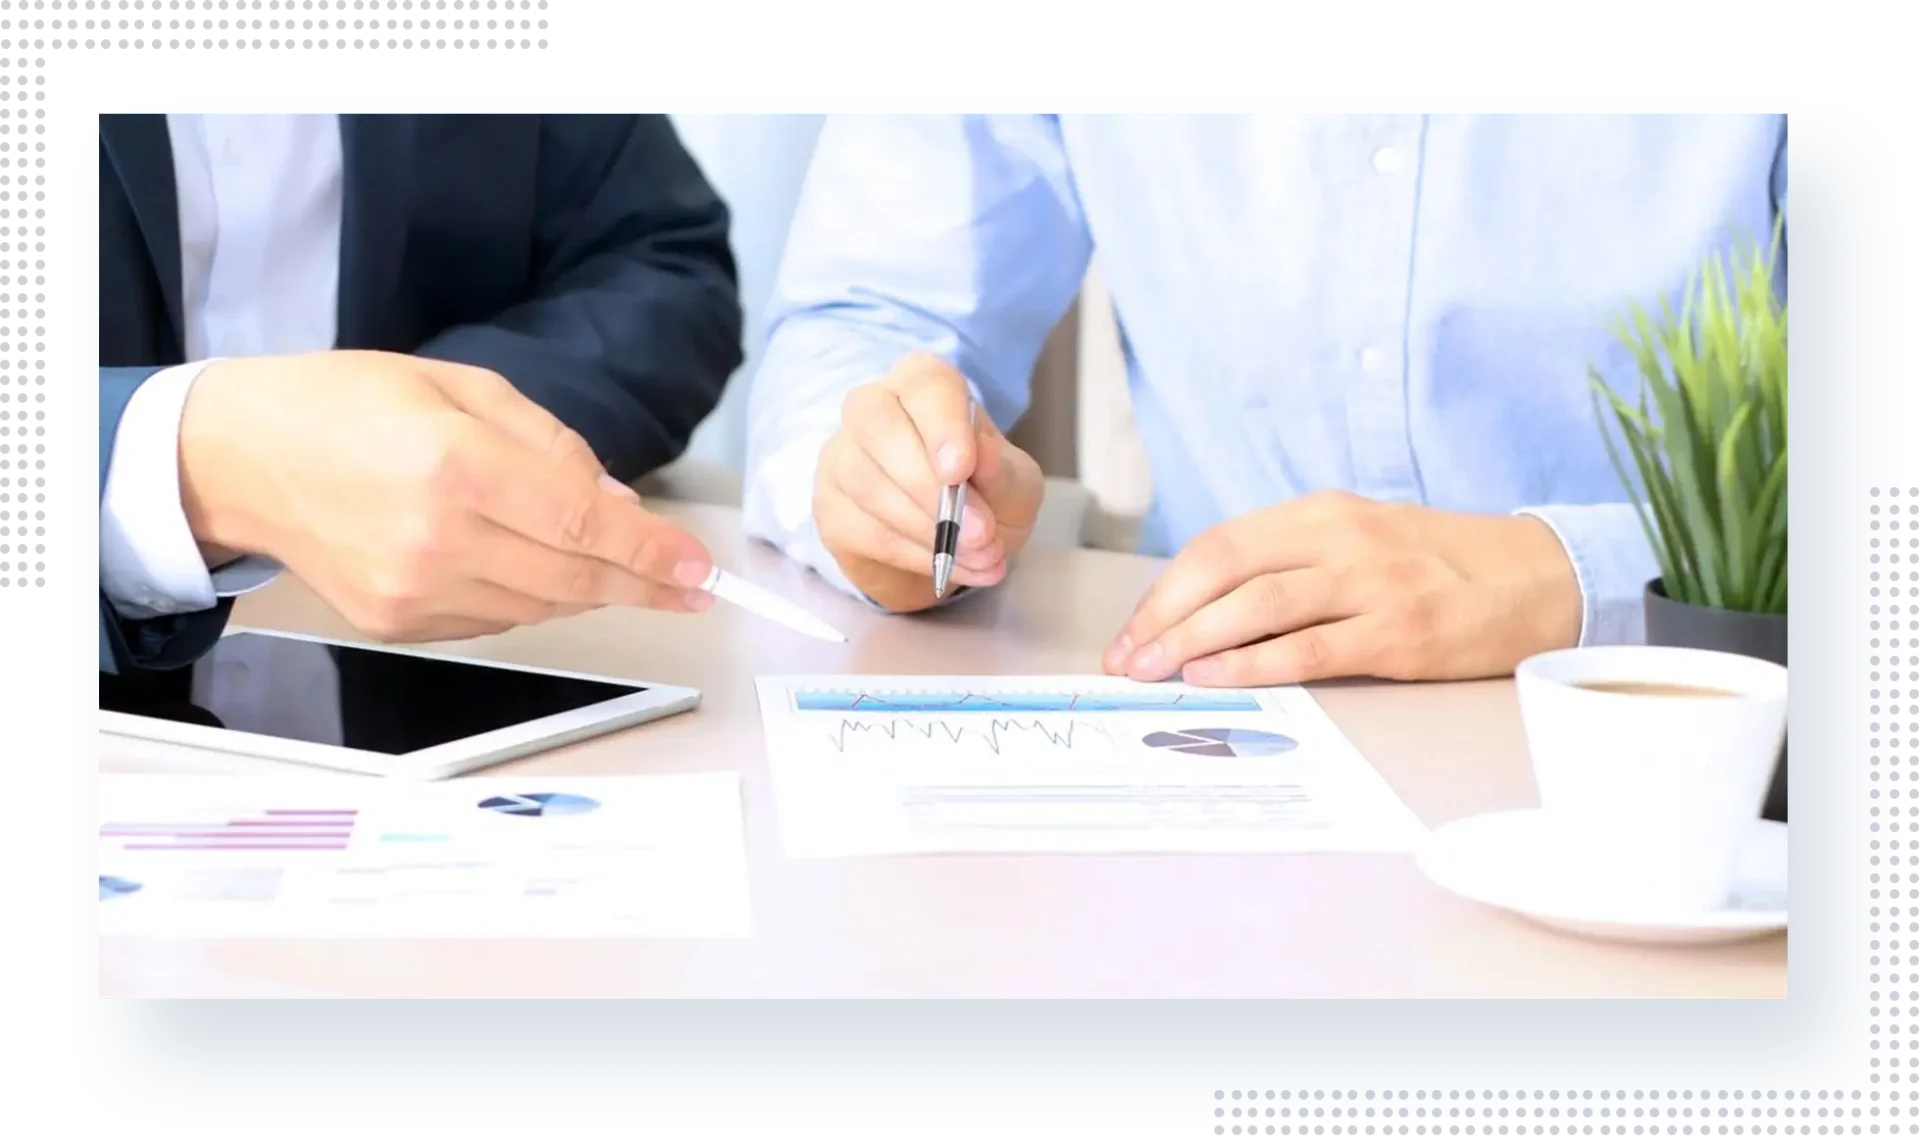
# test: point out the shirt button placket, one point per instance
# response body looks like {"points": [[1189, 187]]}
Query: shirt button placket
{"points": [[1378, 413]]}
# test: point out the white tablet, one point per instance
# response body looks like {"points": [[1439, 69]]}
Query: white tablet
{"points": [[377, 710]]}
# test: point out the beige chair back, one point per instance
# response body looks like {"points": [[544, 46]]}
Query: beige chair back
{"points": [[1079, 426]]}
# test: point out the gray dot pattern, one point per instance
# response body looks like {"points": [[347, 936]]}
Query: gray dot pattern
{"points": [[1886, 751], [164, 27], [1675, 1105]]}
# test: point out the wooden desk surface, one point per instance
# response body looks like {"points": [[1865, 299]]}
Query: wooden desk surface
{"points": [[979, 926]]}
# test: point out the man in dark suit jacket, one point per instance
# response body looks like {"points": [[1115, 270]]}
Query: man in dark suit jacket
{"points": [[413, 359]]}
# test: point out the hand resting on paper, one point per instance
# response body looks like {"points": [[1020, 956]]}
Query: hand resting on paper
{"points": [[1334, 585], [423, 500]]}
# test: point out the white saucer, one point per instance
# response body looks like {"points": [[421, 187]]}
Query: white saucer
{"points": [[1510, 860]]}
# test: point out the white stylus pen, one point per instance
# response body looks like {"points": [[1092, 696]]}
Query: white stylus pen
{"points": [[772, 606]]}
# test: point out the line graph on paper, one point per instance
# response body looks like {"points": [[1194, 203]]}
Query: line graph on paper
{"points": [[1005, 703], [905, 763], [998, 736]]}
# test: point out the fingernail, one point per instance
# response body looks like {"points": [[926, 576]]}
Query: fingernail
{"points": [[981, 559], [1147, 660], [1115, 658], [949, 460], [985, 576], [1201, 672], [699, 600], [971, 528], [690, 572], [608, 482]]}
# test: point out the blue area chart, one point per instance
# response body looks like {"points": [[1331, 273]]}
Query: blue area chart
{"points": [[539, 804], [1003, 703]]}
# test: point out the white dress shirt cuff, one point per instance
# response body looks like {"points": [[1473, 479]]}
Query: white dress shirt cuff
{"points": [[150, 565], [781, 512], [1611, 561]]}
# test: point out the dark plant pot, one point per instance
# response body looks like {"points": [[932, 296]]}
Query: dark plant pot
{"points": [[1763, 635]]}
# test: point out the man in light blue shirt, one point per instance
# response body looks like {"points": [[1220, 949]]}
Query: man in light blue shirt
{"points": [[1357, 347]]}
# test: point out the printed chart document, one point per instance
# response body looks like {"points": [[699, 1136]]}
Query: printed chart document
{"points": [[352, 856], [876, 765]]}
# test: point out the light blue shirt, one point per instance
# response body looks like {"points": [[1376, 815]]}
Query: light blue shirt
{"points": [[1401, 306]]}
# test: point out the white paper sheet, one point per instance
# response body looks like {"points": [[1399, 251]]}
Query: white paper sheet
{"points": [[348, 856], [874, 765]]}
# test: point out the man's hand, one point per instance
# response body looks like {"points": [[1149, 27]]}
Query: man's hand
{"points": [[876, 494], [423, 500], [1332, 585]]}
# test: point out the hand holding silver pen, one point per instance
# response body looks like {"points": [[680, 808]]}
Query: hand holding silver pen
{"points": [[946, 529], [918, 489]]}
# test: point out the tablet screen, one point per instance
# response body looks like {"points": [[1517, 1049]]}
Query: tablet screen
{"points": [[362, 698]]}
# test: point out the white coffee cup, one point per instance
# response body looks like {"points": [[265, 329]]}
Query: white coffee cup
{"points": [[1652, 795]]}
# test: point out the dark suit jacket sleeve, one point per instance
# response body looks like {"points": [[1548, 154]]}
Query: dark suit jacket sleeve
{"points": [[167, 642], [634, 327]]}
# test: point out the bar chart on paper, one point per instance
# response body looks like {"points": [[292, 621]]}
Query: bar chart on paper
{"points": [[265, 828], [298, 856], [867, 765]]}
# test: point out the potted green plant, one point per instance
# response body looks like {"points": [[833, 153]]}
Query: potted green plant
{"points": [[1706, 463]]}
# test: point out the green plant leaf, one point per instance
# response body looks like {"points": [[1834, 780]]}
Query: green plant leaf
{"points": [[1676, 554], [1686, 559], [1767, 529], [1691, 460], [1703, 450], [1773, 565], [1773, 599], [1642, 508], [1650, 501], [1777, 600], [1644, 442], [1734, 506]]}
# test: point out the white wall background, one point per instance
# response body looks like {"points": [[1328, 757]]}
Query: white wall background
{"points": [[756, 163]]}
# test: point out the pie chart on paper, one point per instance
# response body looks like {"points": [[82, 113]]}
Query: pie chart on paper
{"points": [[1232, 743], [539, 804], [111, 887]]}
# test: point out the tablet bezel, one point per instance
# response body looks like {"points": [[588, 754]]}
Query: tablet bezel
{"points": [[441, 760]]}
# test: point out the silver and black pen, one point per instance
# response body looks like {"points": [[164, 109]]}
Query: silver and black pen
{"points": [[946, 529]]}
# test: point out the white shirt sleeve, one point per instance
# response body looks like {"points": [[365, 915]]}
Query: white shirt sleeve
{"points": [[150, 565], [971, 250]]}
